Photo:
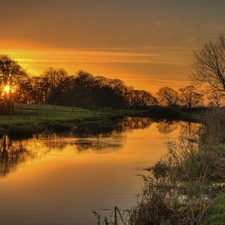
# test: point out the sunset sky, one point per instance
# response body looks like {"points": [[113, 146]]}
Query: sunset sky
{"points": [[146, 43]]}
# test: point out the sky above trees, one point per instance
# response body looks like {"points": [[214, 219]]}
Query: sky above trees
{"points": [[148, 44]]}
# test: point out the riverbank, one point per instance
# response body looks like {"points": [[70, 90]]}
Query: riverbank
{"points": [[186, 186], [30, 119], [14, 126]]}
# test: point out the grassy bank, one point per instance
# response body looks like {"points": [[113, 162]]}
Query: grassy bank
{"points": [[24, 113], [33, 118], [29, 119]]}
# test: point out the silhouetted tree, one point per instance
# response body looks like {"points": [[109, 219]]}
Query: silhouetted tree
{"points": [[36, 92], [190, 97], [68, 96], [94, 92], [215, 98], [209, 65], [26, 91], [168, 96], [12, 75], [119, 92], [53, 84], [143, 98]]}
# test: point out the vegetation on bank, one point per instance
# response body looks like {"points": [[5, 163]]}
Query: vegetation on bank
{"points": [[29, 119], [186, 186]]}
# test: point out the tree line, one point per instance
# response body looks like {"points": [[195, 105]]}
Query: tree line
{"points": [[56, 86]]}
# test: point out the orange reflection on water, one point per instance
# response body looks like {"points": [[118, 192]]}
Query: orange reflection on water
{"points": [[69, 177]]}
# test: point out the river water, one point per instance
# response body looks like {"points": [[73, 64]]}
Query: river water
{"points": [[60, 179]]}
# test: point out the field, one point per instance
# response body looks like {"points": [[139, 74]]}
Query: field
{"points": [[30, 119], [24, 113]]}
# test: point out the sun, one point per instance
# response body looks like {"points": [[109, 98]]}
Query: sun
{"points": [[7, 89]]}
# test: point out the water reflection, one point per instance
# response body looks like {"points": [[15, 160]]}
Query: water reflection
{"points": [[99, 137], [96, 145], [88, 137], [167, 127], [10, 155], [16, 152], [69, 175], [189, 130], [112, 128]]}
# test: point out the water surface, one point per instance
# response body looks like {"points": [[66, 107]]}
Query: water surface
{"points": [[53, 179]]}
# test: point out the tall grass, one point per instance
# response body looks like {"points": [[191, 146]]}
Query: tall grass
{"points": [[183, 184]]}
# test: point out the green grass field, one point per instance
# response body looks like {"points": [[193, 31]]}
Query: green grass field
{"points": [[28, 119], [24, 113]]}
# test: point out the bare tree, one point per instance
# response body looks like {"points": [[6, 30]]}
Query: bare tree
{"points": [[168, 96], [190, 97], [209, 66]]}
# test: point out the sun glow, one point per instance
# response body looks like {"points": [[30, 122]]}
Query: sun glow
{"points": [[7, 89]]}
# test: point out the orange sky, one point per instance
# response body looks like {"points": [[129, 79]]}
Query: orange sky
{"points": [[148, 44]]}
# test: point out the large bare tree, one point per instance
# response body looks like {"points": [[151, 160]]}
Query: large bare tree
{"points": [[209, 66]]}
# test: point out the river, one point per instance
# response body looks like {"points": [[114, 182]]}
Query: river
{"points": [[60, 179]]}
